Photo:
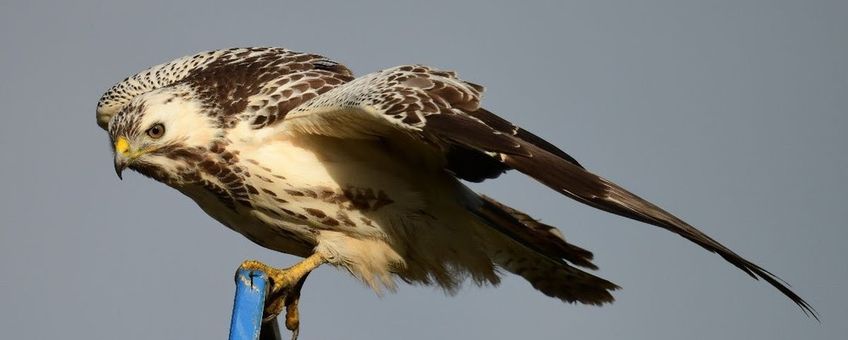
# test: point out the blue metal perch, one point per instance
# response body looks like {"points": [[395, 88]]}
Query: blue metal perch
{"points": [[248, 307]]}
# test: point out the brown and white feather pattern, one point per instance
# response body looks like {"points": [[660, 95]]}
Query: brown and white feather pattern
{"points": [[290, 150], [447, 115], [404, 96], [234, 83]]}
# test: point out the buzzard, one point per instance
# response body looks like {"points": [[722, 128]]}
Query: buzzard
{"points": [[296, 154]]}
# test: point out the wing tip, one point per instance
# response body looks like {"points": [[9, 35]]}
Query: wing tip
{"points": [[783, 287]]}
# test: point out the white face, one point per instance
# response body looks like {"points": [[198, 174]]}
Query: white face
{"points": [[151, 129]]}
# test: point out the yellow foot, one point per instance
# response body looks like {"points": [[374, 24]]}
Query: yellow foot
{"points": [[284, 291]]}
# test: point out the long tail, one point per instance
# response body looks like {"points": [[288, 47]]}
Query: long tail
{"points": [[538, 253]]}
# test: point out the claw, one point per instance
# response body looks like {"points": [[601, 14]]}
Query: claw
{"points": [[292, 313]]}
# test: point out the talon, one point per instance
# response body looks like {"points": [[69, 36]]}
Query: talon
{"points": [[273, 308], [291, 302], [292, 317]]}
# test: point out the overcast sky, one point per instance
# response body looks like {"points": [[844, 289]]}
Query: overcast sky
{"points": [[730, 114]]}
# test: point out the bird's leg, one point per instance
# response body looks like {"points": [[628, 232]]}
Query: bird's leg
{"points": [[285, 288]]}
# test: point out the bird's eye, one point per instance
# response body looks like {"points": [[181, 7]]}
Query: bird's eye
{"points": [[156, 131]]}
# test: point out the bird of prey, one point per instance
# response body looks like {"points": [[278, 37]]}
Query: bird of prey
{"points": [[296, 154]]}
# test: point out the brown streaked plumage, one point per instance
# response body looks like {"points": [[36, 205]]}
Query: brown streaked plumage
{"points": [[299, 156]]}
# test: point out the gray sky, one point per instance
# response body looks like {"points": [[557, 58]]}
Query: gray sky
{"points": [[731, 114]]}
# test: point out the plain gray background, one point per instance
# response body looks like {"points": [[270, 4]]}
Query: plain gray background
{"points": [[731, 114]]}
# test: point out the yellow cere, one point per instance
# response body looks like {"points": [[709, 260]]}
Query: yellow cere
{"points": [[122, 145]]}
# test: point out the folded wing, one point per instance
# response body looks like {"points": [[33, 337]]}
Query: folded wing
{"points": [[434, 111]]}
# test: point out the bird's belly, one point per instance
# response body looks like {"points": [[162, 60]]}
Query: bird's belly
{"points": [[298, 191], [329, 184], [288, 238]]}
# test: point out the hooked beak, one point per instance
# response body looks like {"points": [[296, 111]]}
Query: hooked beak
{"points": [[120, 164], [122, 156]]}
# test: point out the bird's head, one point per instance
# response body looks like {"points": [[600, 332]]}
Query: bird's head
{"points": [[161, 134]]}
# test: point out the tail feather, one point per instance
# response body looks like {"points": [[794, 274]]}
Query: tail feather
{"points": [[533, 234], [538, 253], [558, 280]]}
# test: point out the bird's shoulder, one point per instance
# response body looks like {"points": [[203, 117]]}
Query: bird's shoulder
{"points": [[261, 85]]}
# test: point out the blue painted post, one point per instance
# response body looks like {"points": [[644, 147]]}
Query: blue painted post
{"points": [[249, 303]]}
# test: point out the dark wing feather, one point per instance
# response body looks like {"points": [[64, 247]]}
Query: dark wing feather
{"points": [[437, 109], [504, 126], [586, 187]]}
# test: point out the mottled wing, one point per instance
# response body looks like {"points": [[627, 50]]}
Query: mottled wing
{"points": [[442, 114], [417, 100], [260, 84]]}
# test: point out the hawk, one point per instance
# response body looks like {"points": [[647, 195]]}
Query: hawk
{"points": [[296, 154]]}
